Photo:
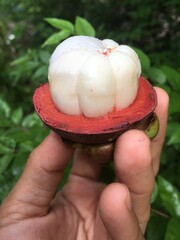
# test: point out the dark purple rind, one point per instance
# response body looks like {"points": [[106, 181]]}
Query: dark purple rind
{"points": [[103, 137]]}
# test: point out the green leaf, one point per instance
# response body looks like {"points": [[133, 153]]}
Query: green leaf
{"points": [[31, 120], [3, 149], [156, 222], [5, 161], [60, 24], [5, 109], [174, 105], [169, 196], [40, 72], [44, 56], [83, 27], [173, 230], [5, 188], [157, 75], [173, 77], [18, 134], [17, 115], [20, 61], [155, 193], [4, 122], [175, 137], [7, 145], [56, 38], [19, 162], [144, 59], [38, 133], [26, 146], [172, 126]]}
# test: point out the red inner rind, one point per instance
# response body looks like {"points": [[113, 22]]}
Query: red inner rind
{"points": [[143, 105]]}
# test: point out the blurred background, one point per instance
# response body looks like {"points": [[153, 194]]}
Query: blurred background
{"points": [[29, 32]]}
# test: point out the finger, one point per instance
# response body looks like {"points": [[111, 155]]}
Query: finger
{"points": [[36, 187], [134, 168], [162, 113], [85, 166], [82, 185], [117, 214]]}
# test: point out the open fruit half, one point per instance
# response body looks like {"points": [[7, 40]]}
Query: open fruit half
{"points": [[104, 129], [95, 93]]}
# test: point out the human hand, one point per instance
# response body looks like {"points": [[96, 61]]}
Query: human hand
{"points": [[85, 208]]}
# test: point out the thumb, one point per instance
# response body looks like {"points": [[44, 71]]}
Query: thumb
{"points": [[117, 215], [32, 195]]}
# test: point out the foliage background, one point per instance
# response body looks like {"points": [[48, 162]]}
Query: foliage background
{"points": [[151, 27]]}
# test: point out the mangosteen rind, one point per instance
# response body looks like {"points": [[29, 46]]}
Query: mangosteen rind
{"points": [[97, 136], [79, 129]]}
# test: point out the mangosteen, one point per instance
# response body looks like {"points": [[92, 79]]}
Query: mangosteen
{"points": [[95, 93]]}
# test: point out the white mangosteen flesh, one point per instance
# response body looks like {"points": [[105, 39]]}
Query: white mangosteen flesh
{"points": [[92, 77]]}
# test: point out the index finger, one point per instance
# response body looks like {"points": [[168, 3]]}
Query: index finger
{"points": [[32, 195]]}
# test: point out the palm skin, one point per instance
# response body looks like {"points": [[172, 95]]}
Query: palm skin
{"points": [[85, 208]]}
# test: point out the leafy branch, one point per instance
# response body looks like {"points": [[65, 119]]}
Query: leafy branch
{"points": [[67, 29]]}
